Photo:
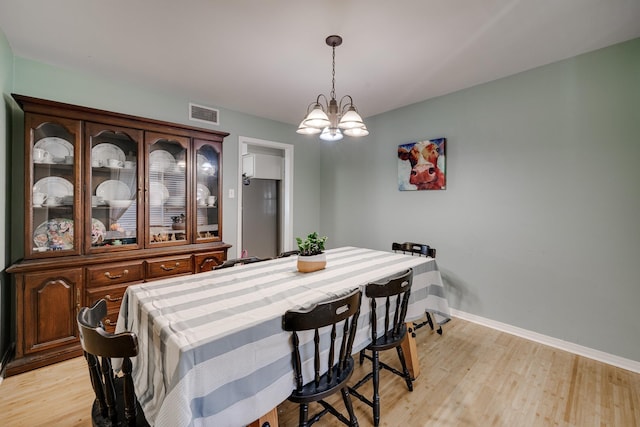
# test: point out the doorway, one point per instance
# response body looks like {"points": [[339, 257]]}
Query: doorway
{"points": [[254, 236]]}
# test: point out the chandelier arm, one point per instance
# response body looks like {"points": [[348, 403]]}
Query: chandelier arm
{"points": [[342, 106], [326, 102], [310, 107]]}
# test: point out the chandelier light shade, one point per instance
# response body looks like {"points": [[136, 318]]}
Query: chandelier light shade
{"points": [[329, 118]]}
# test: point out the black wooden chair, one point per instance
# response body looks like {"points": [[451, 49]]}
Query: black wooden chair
{"points": [[238, 261], [115, 403], [395, 293], [420, 250], [331, 313], [288, 254]]}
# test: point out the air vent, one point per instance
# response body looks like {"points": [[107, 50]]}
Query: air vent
{"points": [[200, 113]]}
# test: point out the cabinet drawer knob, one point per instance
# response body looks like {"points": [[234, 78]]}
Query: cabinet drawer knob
{"points": [[107, 322], [111, 299], [165, 268], [108, 275]]}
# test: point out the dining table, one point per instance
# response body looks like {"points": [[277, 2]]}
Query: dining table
{"points": [[212, 351]]}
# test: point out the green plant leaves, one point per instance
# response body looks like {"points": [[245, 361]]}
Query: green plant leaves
{"points": [[312, 245]]}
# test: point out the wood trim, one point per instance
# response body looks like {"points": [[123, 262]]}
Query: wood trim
{"points": [[27, 363], [37, 105], [6, 357], [600, 356], [25, 266]]}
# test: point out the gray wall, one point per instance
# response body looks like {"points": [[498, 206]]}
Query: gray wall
{"points": [[539, 226]]}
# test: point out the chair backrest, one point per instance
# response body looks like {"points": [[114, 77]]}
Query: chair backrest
{"points": [[327, 313], [395, 292], [238, 261], [419, 249], [288, 253], [99, 347]]}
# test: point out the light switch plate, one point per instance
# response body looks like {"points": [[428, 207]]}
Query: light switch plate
{"points": [[232, 193]]}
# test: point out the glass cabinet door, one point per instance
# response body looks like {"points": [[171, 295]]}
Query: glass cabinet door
{"points": [[167, 199], [52, 193], [113, 218], [207, 191]]}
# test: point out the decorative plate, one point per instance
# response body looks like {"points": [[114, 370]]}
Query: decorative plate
{"points": [[158, 193], [202, 194], [121, 204], [105, 151], [57, 233], [161, 161], [98, 231], [54, 186], [205, 166], [113, 189], [58, 148]]}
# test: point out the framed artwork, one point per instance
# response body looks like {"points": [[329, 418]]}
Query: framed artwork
{"points": [[421, 165]]}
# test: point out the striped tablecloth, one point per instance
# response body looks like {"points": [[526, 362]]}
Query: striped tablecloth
{"points": [[212, 348]]}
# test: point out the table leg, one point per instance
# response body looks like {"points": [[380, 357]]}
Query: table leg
{"points": [[270, 419], [411, 352]]}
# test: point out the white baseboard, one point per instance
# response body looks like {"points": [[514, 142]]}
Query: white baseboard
{"points": [[601, 356]]}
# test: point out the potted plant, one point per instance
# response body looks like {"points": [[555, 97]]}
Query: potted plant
{"points": [[311, 256]]}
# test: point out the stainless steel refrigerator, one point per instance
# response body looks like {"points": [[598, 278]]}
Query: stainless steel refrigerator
{"points": [[260, 218]]}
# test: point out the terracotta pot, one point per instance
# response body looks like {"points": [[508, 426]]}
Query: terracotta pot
{"points": [[307, 264]]}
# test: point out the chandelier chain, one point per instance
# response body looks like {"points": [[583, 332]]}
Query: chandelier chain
{"points": [[333, 75]]}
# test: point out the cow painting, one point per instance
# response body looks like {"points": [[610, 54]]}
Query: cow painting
{"points": [[421, 165]]}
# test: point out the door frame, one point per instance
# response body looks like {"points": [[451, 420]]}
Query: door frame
{"points": [[286, 203]]}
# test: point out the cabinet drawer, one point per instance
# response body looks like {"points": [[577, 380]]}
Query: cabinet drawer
{"points": [[113, 274], [170, 266], [113, 295], [206, 262]]}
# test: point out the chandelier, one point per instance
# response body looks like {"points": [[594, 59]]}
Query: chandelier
{"points": [[331, 119]]}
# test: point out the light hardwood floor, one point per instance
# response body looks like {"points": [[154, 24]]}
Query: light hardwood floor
{"points": [[471, 376]]}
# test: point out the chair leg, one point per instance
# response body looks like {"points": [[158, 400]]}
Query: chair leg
{"points": [[430, 321], [361, 356], [376, 386], [304, 414], [405, 370], [353, 421]]}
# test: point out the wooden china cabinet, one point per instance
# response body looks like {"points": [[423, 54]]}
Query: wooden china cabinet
{"points": [[110, 200]]}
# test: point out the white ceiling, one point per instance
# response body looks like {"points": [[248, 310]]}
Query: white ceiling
{"points": [[269, 57]]}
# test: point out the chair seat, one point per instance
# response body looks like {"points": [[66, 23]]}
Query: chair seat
{"points": [[311, 393], [388, 340]]}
